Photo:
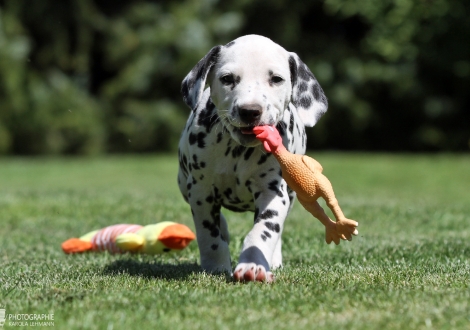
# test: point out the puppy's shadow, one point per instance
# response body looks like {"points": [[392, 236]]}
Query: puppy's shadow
{"points": [[152, 269]]}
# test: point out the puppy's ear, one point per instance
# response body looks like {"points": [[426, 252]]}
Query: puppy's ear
{"points": [[307, 94], [193, 84]]}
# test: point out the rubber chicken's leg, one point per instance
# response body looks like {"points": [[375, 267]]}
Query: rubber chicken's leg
{"points": [[331, 233], [344, 226]]}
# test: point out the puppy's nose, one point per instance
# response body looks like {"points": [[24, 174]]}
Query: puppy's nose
{"points": [[250, 113]]}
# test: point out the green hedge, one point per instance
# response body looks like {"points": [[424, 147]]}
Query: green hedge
{"points": [[86, 77]]}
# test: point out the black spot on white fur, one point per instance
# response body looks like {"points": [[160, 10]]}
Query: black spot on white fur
{"points": [[248, 153], [219, 137], [268, 214], [237, 151], [208, 118], [263, 159], [273, 226], [214, 230], [274, 186], [197, 138]]}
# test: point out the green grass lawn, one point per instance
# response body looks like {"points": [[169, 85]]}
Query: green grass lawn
{"points": [[409, 267]]}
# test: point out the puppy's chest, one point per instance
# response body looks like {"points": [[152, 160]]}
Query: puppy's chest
{"points": [[239, 183], [235, 174]]}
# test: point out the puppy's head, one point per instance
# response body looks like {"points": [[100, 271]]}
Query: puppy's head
{"points": [[252, 81]]}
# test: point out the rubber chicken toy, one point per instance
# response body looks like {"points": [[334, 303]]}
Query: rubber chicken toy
{"points": [[304, 175], [151, 239]]}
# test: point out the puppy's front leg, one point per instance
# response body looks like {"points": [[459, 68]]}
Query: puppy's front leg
{"points": [[264, 240], [211, 231]]}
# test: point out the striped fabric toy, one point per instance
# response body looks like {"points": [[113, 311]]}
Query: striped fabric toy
{"points": [[151, 239], [105, 239]]}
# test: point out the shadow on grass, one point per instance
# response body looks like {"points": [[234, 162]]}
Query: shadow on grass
{"points": [[151, 269]]}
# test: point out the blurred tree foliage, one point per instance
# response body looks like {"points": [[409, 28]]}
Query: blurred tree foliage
{"points": [[84, 76]]}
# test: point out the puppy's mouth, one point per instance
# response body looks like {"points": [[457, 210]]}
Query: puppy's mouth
{"points": [[247, 130], [244, 135], [243, 132]]}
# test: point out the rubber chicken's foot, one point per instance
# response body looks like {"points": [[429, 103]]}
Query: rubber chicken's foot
{"points": [[341, 229]]}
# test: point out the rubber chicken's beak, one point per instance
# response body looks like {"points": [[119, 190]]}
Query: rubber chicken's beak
{"points": [[176, 236]]}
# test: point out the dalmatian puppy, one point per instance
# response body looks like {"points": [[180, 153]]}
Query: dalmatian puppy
{"points": [[251, 81]]}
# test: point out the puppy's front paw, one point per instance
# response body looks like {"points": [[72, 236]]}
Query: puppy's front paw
{"points": [[250, 272]]}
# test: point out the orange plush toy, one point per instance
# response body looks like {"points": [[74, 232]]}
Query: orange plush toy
{"points": [[304, 175]]}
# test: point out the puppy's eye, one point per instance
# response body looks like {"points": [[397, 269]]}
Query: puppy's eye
{"points": [[227, 79], [276, 79]]}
